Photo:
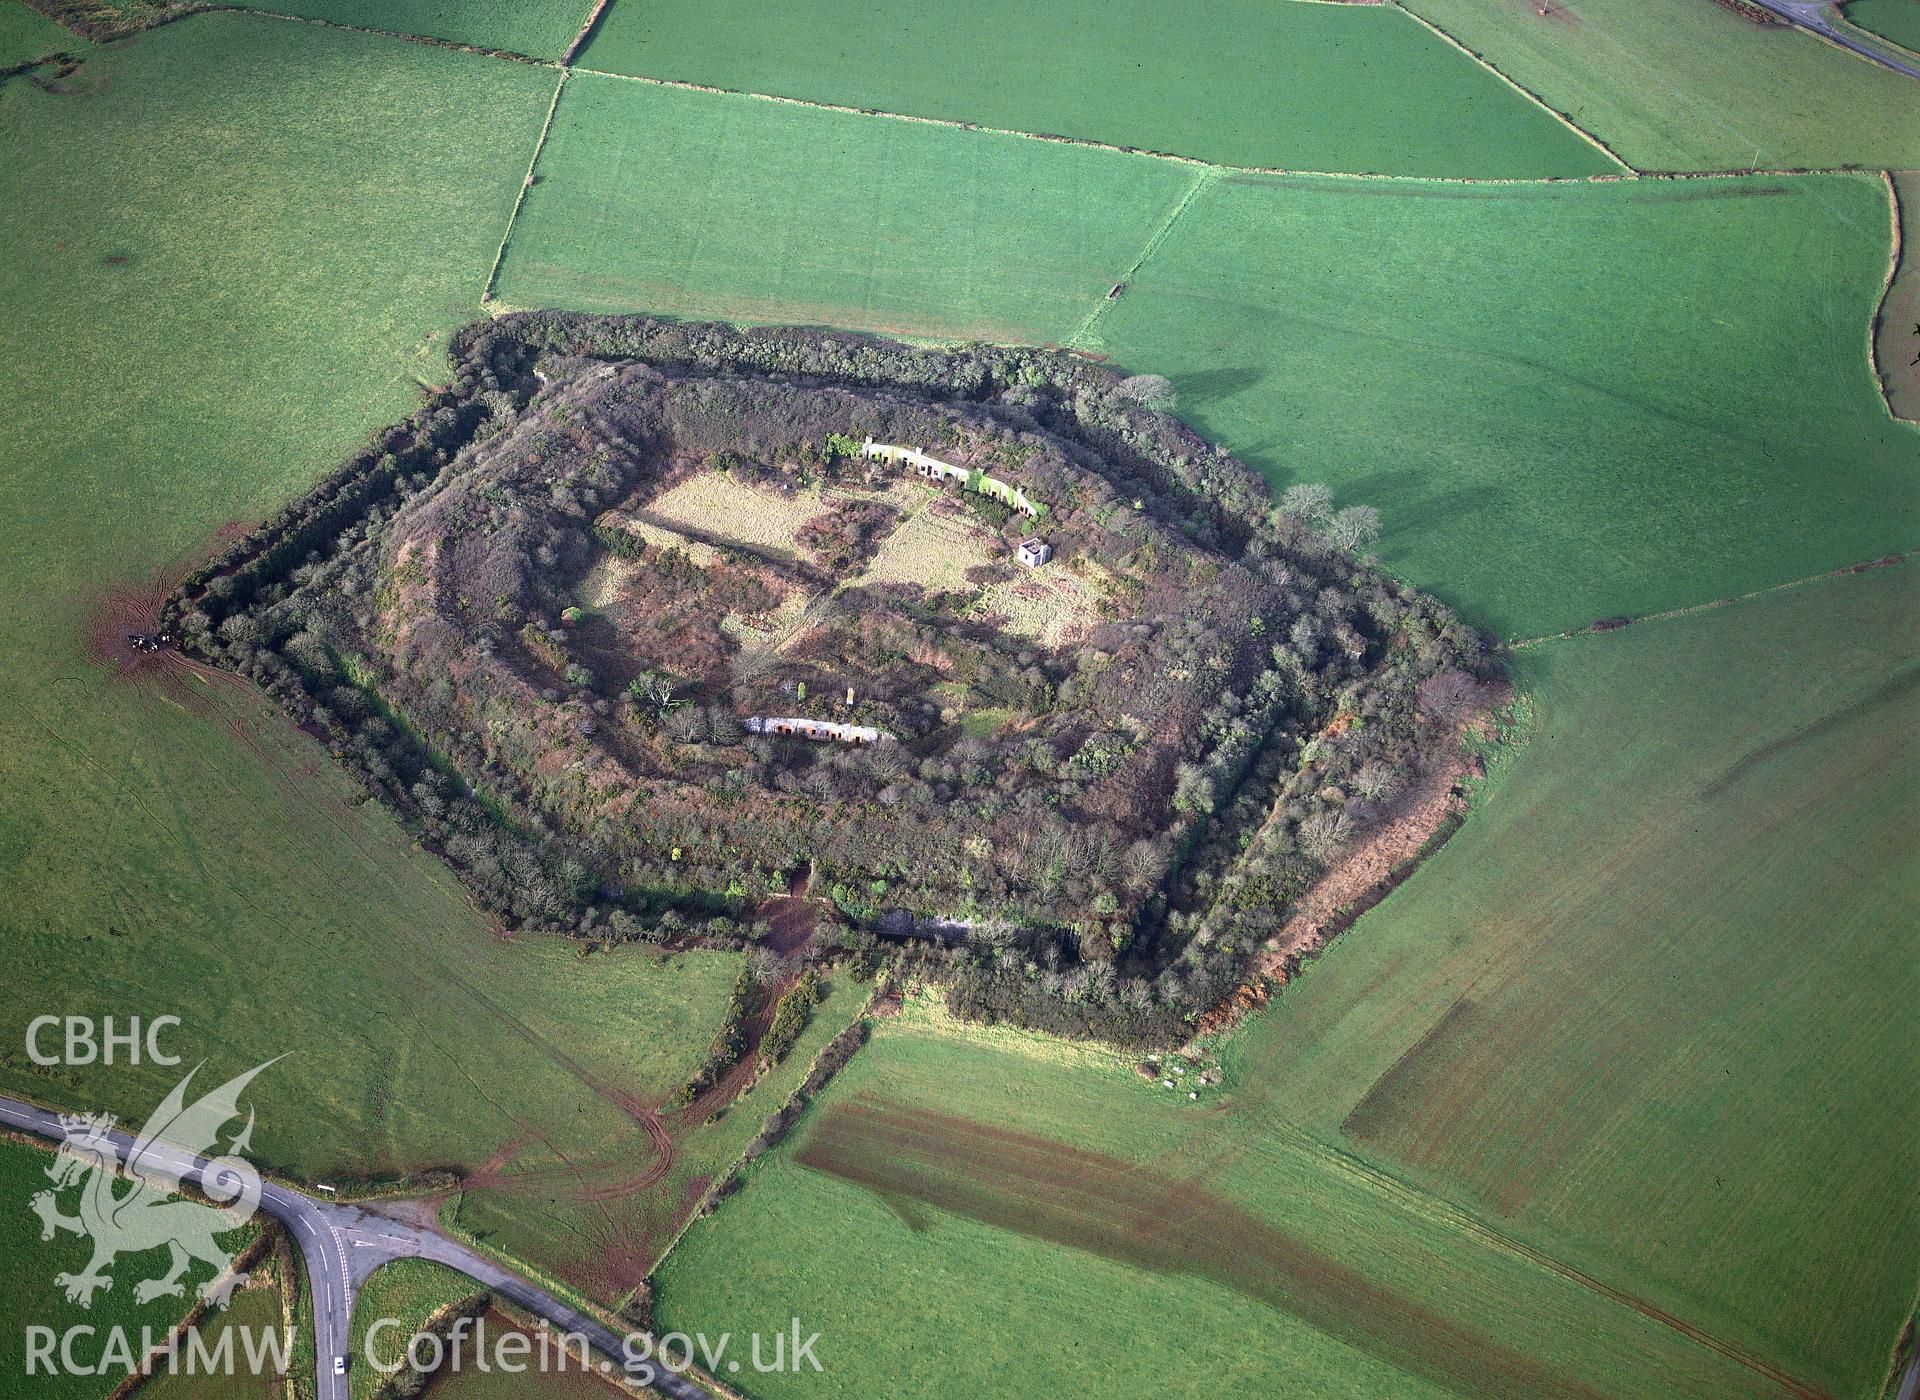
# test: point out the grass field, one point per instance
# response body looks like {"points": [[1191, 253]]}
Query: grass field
{"points": [[1651, 1005], [463, 1378], [191, 855], [1639, 1021], [1567, 402], [537, 28], [1693, 86], [407, 1292], [27, 34], [1898, 20], [1117, 1229], [1242, 82], [255, 1314], [652, 198], [29, 1297], [579, 1221], [1897, 333], [1643, 1019]]}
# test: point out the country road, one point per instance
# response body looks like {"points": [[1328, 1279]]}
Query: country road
{"points": [[343, 1243], [1812, 15]]}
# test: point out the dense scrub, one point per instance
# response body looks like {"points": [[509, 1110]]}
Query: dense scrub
{"points": [[1088, 835]]}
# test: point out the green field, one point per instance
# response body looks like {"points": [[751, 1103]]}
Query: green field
{"points": [[27, 34], [1656, 992], [537, 28], [255, 1313], [407, 1292], [1644, 1019], [1270, 83], [1631, 1045], [1898, 20], [463, 1378], [186, 853], [1096, 1226], [648, 197], [573, 1220], [29, 1297], [1567, 402], [1693, 86]]}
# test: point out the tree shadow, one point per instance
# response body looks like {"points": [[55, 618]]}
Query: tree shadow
{"points": [[1214, 384]]}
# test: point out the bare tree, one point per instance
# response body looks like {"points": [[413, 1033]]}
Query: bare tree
{"points": [[1448, 695], [1354, 528], [1155, 391], [1377, 782], [1309, 502], [1324, 833]]}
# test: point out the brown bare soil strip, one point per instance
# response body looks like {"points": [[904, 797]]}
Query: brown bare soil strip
{"points": [[1065, 1195], [735, 1081], [1752, 13], [791, 919]]}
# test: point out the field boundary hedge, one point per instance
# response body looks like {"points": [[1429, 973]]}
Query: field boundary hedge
{"points": [[1568, 122], [1614, 624], [1626, 171], [1882, 377], [526, 183]]}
